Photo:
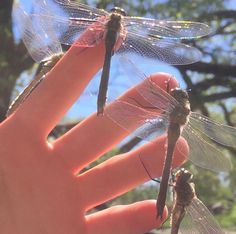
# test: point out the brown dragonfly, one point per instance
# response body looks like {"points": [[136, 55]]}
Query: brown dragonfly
{"points": [[189, 214], [41, 44], [170, 114], [146, 38]]}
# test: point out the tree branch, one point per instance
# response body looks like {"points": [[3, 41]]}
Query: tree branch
{"points": [[217, 69], [216, 81], [226, 114], [222, 14], [219, 96]]}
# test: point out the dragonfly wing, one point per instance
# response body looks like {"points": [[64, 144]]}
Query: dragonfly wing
{"points": [[162, 50], [204, 154], [142, 123], [80, 10], [151, 92], [161, 29], [202, 220], [187, 226], [34, 36], [70, 20], [220, 133], [152, 128]]}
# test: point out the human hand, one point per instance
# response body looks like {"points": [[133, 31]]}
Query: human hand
{"points": [[40, 192]]}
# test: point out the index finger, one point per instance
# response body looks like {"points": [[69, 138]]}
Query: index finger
{"points": [[61, 88]]}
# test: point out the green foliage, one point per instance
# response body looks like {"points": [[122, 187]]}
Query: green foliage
{"points": [[143, 192], [228, 220]]}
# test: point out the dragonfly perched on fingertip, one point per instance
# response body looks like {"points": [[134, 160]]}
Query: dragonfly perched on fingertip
{"points": [[170, 114], [189, 214], [44, 52], [122, 34]]}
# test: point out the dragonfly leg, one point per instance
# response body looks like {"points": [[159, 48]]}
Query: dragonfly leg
{"points": [[156, 180]]}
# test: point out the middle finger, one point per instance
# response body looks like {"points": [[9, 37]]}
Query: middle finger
{"points": [[124, 172], [96, 135]]}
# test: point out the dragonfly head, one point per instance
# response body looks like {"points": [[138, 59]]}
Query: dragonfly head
{"points": [[118, 10], [180, 95], [183, 175]]}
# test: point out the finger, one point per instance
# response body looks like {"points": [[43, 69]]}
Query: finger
{"points": [[97, 135], [60, 89], [126, 171], [136, 218]]}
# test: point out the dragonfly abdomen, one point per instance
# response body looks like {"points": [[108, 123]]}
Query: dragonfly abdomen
{"points": [[177, 216]]}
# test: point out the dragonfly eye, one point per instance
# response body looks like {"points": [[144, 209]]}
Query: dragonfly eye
{"points": [[183, 175], [118, 10]]}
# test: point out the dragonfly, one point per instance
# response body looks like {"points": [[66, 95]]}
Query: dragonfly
{"points": [[170, 114], [122, 34], [190, 210], [35, 38]]}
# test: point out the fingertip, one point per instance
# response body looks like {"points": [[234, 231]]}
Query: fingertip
{"points": [[152, 155], [146, 216], [139, 217], [150, 210], [163, 80]]}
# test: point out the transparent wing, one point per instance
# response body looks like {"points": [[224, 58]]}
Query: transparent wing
{"points": [[151, 92], [79, 10], [69, 20], [166, 29], [152, 128], [202, 220], [220, 133], [144, 124], [169, 29], [37, 40], [170, 52], [187, 226], [204, 154]]}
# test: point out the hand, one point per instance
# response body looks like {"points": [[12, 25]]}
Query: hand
{"points": [[40, 192]]}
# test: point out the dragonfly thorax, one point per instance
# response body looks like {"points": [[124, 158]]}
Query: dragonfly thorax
{"points": [[118, 10], [184, 190], [115, 22], [180, 95], [181, 112], [183, 175]]}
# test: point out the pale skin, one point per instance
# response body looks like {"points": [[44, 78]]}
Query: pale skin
{"points": [[39, 190]]}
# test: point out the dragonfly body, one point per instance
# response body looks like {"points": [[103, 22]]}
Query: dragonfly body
{"points": [[34, 38], [189, 214], [184, 192], [112, 32], [135, 36], [178, 117]]}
